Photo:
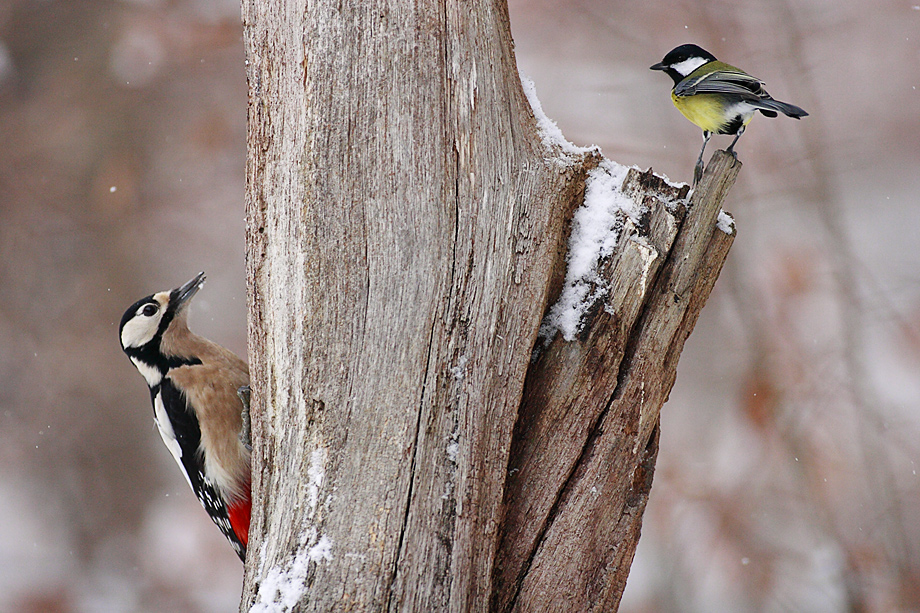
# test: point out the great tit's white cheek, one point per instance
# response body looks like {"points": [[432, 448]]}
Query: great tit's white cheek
{"points": [[689, 65]]}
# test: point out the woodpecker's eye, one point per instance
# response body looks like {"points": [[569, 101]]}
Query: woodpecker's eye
{"points": [[149, 310]]}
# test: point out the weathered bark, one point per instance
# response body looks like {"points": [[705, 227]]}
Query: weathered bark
{"points": [[403, 220], [405, 233], [586, 441]]}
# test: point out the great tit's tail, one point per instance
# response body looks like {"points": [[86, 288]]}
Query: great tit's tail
{"points": [[769, 107]]}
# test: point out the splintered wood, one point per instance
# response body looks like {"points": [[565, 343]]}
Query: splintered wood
{"points": [[586, 440]]}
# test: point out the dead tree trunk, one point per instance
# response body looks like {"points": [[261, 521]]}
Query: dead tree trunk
{"points": [[405, 235], [586, 440]]}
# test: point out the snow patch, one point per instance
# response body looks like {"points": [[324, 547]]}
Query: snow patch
{"points": [[675, 184], [453, 453], [316, 474], [726, 222], [284, 585], [321, 551], [453, 448], [282, 589], [550, 133], [595, 231], [649, 255], [459, 371]]}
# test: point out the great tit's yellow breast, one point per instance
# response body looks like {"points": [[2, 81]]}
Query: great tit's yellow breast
{"points": [[705, 110]]}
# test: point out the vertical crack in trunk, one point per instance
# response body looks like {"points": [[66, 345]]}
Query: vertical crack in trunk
{"points": [[406, 508]]}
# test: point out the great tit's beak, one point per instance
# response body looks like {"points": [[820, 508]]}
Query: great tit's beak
{"points": [[658, 66], [185, 293]]}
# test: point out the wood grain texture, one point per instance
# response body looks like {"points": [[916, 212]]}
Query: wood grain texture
{"points": [[403, 219], [589, 521], [570, 384]]}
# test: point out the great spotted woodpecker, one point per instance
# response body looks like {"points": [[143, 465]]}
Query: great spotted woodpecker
{"points": [[194, 384]]}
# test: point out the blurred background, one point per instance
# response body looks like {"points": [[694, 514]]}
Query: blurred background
{"points": [[787, 478]]}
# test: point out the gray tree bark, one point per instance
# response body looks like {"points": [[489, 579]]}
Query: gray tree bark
{"points": [[586, 440], [405, 234]]}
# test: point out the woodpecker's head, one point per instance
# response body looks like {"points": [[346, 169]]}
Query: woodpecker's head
{"points": [[683, 60], [150, 326]]}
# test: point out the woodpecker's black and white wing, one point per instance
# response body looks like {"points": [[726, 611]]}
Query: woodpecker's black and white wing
{"points": [[182, 434]]}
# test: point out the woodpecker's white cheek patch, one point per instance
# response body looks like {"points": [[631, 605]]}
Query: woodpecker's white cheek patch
{"points": [[168, 434], [140, 330], [689, 65]]}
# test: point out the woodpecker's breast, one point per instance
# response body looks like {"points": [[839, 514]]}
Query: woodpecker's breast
{"points": [[210, 389]]}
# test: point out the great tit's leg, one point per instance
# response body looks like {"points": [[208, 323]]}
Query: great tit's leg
{"points": [[698, 169], [245, 431], [731, 148]]}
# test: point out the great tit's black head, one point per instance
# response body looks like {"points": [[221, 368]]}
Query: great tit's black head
{"points": [[681, 61], [147, 319]]}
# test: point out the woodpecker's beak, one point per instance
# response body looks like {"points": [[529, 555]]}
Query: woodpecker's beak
{"points": [[188, 290], [658, 66]]}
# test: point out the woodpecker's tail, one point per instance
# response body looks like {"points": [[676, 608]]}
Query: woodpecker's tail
{"points": [[769, 107], [238, 513]]}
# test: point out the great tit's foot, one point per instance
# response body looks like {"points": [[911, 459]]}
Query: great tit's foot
{"points": [[697, 173], [245, 432]]}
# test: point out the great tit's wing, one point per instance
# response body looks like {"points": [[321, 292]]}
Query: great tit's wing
{"points": [[732, 82]]}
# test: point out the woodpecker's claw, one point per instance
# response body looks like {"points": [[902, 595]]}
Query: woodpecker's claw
{"points": [[245, 432]]}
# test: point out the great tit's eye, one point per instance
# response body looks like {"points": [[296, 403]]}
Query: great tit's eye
{"points": [[149, 310]]}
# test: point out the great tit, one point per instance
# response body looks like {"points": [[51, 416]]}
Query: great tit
{"points": [[719, 98]]}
